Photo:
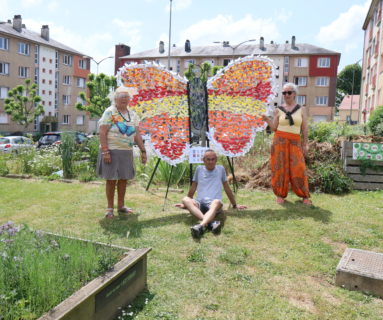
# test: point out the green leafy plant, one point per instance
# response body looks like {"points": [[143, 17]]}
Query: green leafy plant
{"points": [[366, 164], [99, 88], [330, 178], [67, 148], [375, 122], [23, 103]]}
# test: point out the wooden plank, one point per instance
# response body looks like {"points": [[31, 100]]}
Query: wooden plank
{"points": [[356, 169], [366, 178], [349, 161], [368, 186]]}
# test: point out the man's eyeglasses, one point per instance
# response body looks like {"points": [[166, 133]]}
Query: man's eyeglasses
{"points": [[287, 92]]}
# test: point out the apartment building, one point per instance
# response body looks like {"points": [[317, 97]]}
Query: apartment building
{"points": [[312, 68], [59, 71], [372, 67]]}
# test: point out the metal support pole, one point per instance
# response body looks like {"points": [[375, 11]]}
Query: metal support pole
{"points": [[167, 189], [152, 176], [231, 165]]}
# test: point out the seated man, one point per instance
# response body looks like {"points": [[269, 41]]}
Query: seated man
{"points": [[208, 181]]}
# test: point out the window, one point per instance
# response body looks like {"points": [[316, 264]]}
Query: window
{"points": [[286, 64], [4, 43], [24, 48], [178, 66], [323, 63], [285, 79], [82, 64], [322, 81], [57, 60], [36, 54], [301, 62], [3, 118], [67, 60], [66, 99], [3, 92], [301, 100], [37, 75], [43, 91], [80, 100], [81, 82], [66, 80], [188, 62], [226, 62], [321, 100], [4, 68], [66, 119], [80, 120], [23, 72], [301, 81]]}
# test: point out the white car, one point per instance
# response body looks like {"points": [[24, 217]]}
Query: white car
{"points": [[15, 143]]}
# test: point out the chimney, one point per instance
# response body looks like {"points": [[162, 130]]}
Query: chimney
{"points": [[161, 48], [9, 21], [17, 22], [287, 41], [271, 42], [120, 50], [23, 26], [293, 42], [262, 43], [187, 46], [45, 32]]}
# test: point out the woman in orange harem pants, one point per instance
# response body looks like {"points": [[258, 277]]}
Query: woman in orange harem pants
{"points": [[287, 152]]}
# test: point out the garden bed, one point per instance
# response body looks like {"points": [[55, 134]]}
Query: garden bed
{"points": [[38, 270]]}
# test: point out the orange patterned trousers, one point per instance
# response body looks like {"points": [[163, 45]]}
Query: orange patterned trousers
{"points": [[288, 165]]}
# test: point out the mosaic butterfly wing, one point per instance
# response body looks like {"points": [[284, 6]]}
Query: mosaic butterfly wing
{"points": [[162, 106], [238, 96]]}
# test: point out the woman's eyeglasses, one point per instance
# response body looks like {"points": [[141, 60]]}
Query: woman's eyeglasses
{"points": [[287, 92]]}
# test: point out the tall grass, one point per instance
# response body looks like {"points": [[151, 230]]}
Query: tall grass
{"points": [[38, 271]]}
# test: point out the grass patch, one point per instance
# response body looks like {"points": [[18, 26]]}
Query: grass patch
{"points": [[269, 262]]}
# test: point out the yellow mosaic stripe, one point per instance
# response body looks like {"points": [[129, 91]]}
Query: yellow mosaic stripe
{"points": [[236, 104]]}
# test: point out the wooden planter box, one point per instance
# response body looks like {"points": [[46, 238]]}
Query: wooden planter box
{"points": [[371, 180], [103, 297]]}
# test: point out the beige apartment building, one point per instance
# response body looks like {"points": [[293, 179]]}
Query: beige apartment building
{"points": [[371, 95], [59, 71], [312, 68]]}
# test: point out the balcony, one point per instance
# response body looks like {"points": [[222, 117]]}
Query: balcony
{"points": [[373, 82]]}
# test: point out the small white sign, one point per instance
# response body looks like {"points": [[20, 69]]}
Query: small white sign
{"points": [[196, 154]]}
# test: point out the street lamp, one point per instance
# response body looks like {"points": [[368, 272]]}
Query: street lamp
{"points": [[352, 90], [98, 62], [227, 44], [170, 32]]}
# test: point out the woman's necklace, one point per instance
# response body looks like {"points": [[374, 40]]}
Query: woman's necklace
{"points": [[126, 120]]}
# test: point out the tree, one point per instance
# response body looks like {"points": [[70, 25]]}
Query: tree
{"points": [[348, 82], [99, 88], [22, 103], [375, 122]]}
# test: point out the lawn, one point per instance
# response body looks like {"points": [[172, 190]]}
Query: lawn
{"points": [[270, 262]]}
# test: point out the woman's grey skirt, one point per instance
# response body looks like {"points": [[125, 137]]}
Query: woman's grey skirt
{"points": [[120, 168]]}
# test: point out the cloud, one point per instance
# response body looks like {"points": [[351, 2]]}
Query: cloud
{"points": [[53, 6], [130, 31], [5, 10], [283, 15], [179, 5], [224, 27], [31, 3], [344, 28]]}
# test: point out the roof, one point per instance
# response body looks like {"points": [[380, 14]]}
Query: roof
{"points": [[219, 50], [7, 28], [370, 13], [346, 102]]}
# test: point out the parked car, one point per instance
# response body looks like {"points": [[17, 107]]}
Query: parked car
{"points": [[15, 143], [54, 138]]}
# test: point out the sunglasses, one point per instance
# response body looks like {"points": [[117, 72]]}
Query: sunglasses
{"points": [[287, 92]]}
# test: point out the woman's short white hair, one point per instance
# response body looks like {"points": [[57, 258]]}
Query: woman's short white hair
{"points": [[291, 85], [122, 89]]}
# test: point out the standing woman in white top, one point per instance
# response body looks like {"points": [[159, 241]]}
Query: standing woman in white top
{"points": [[289, 147], [118, 133]]}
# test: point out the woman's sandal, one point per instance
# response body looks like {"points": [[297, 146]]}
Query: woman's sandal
{"points": [[109, 213], [124, 211], [280, 200], [307, 202]]}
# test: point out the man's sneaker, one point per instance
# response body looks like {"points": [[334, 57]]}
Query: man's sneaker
{"points": [[197, 231], [214, 226]]}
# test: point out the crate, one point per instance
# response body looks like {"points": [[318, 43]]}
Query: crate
{"points": [[361, 270], [371, 180]]}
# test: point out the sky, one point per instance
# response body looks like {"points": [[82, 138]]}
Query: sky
{"points": [[95, 27]]}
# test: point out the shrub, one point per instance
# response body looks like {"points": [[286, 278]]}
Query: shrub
{"points": [[330, 178], [92, 147], [67, 149], [375, 122], [3, 166], [46, 162]]}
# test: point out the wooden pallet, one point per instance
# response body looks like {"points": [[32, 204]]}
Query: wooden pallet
{"points": [[371, 180]]}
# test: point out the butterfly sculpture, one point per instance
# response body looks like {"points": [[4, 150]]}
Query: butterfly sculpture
{"points": [[237, 97]]}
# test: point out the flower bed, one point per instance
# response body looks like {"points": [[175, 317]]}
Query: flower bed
{"points": [[39, 270]]}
